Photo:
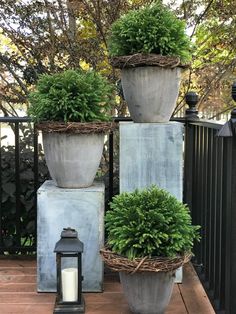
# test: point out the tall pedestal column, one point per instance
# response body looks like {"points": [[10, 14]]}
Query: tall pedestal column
{"points": [[81, 209], [152, 153]]}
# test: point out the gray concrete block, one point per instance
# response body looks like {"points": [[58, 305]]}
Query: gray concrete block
{"points": [[82, 209], [151, 153]]}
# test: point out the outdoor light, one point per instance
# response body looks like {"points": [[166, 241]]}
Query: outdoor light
{"points": [[69, 277]]}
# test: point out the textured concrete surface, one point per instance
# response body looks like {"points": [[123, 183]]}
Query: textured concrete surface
{"points": [[82, 209], [73, 159], [152, 153], [151, 92], [147, 293]]}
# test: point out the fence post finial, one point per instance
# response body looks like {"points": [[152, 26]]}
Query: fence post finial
{"points": [[229, 128], [191, 99]]}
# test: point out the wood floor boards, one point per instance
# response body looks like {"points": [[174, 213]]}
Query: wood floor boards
{"points": [[18, 293]]}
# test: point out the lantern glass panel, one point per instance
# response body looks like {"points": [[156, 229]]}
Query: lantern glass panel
{"points": [[69, 278]]}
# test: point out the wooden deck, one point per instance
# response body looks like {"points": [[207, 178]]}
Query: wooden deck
{"points": [[18, 293]]}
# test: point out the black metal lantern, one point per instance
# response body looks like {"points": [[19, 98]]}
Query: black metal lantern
{"points": [[69, 273]]}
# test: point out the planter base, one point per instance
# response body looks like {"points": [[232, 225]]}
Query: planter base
{"points": [[147, 293]]}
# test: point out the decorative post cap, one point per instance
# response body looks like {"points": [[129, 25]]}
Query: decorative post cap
{"points": [[191, 99]]}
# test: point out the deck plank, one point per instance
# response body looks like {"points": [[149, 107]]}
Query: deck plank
{"points": [[26, 308], [18, 279], [16, 287], [18, 293], [17, 261], [176, 305], [193, 293]]}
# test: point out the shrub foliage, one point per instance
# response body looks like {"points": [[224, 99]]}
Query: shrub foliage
{"points": [[151, 29], [72, 95], [149, 222]]}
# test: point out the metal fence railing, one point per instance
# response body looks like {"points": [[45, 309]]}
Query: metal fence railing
{"points": [[18, 164], [210, 191]]}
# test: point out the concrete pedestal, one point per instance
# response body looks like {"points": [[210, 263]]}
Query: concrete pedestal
{"points": [[82, 209], [152, 153]]}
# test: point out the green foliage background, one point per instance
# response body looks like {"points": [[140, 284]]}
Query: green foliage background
{"points": [[27, 198]]}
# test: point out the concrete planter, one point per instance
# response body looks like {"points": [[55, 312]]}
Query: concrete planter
{"points": [[73, 159], [147, 292], [151, 92]]}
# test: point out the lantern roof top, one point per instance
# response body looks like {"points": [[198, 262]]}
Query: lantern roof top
{"points": [[69, 242]]}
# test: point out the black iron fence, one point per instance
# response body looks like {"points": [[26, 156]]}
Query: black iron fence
{"points": [[19, 181], [209, 189]]}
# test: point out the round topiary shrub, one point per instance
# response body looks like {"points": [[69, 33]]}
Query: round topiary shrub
{"points": [[149, 222], [72, 95], [151, 29]]}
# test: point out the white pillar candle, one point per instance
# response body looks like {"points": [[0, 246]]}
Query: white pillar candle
{"points": [[69, 284]]}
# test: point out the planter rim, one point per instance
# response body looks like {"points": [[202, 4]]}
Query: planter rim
{"points": [[142, 59], [156, 264], [76, 127]]}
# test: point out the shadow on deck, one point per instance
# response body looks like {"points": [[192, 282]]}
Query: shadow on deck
{"points": [[18, 293]]}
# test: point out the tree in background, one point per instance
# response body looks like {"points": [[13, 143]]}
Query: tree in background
{"points": [[45, 36], [213, 31]]}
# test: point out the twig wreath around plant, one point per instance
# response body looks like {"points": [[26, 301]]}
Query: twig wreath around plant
{"points": [[148, 230], [72, 109], [150, 235]]}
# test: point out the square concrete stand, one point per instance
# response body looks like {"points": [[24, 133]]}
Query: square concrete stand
{"points": [[152, 153], [82, 209]]}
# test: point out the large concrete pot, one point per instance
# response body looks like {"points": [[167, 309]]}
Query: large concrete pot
{"points": [[73, 159], [147, 292], [151, 92]]}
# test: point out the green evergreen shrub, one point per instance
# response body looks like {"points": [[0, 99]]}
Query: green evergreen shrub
{"points": [[151, 29], [149, 222], [72, 95]]}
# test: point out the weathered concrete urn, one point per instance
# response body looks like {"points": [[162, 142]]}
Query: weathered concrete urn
{"points": [[148, 292], [73, 160], [147, 282], [73, 153], [150, 86], [151, 92]]}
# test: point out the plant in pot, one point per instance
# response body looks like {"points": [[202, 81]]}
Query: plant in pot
{"points": [[72, 110], [151, 48], [150, 235]]}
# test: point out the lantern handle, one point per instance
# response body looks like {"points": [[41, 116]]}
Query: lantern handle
{"points": [[69, 233]]}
